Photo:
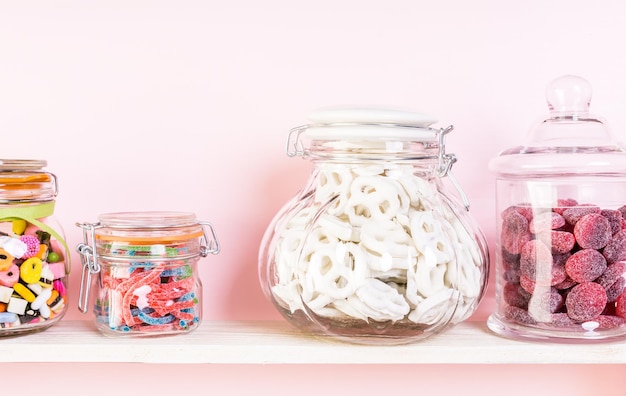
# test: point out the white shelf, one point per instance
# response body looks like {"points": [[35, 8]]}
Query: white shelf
{"points": [[278, 342]]}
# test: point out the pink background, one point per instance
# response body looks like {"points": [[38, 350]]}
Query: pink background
{"points": [[186, 105]]}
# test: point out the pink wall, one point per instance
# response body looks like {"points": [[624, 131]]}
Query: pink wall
{"points": [[186, 106]]}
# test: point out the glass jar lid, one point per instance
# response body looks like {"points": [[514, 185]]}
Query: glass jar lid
{"points": [[569, 141], [148, 228], [368, 133], [149, 219], [359, 123], [23, 180]]}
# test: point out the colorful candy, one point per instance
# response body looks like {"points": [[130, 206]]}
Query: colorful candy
{"points": [[30, 287], [156, 296]]}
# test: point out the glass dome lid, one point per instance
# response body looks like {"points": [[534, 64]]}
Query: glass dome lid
{"points": [[569, 141]]}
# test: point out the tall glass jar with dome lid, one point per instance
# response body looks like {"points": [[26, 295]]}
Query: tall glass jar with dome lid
{"points": [[561, 223]]}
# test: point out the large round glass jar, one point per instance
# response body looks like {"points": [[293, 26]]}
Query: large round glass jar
{"points": [[373, 250], [147, 278], [34, 259], [561, 226]]}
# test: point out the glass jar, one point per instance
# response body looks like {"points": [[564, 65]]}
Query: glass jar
{"points": [[561, 226], [34, 259], [373, 249], [146, 265]]}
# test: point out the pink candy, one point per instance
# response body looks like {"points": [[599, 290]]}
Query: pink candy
{"points": [[564, 266], [592, 231], [585, 265], [585, 301]]}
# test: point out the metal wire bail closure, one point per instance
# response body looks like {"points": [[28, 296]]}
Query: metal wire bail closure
{"points": [[293, 140], [208, 246], [89, 259], [445, 164], [295, 147]]}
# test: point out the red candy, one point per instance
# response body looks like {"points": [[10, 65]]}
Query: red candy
{"points": [[514, 222], [513, 243], [613, 291], [615, 219], [615, 250], [573, 214], [563, 204], [560, 241], [609, 322], [592, 231], [620, 305], [585, 265], [536, 260], [564, 266], [612, 274], [519, 315], [546, 222], [514, 297], [585, 301], [550, 301]]}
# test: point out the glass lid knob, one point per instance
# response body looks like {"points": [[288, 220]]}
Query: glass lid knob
{"points": [[568, 96]]}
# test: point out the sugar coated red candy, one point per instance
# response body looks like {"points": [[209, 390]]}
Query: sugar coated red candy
{"points": [[615, 219], [566, 284], [519, 315], [525, 210], [585, 301], [620, 305], [613, 291], [563, 204], [547, 302], [585, 265], [536, 260], [559, 241], [606, 322], [592, 231], [545, 222], [615, 249], [513, 221], [512, 242], [612, 274], [513, 295], [564, 266], [561, 320], [573, 214], [559, 273]]}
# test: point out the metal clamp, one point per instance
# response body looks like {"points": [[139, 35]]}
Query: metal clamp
{"points": [[294, 140], [89, 259], [208, 246], [446, 161]]}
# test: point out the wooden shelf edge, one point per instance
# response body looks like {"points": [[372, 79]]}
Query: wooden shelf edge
{"points": [[277, 342]]}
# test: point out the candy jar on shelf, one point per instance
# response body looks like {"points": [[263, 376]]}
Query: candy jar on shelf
{"points": [[561, 226], [34, 259], [146, 264], [374, 249]]}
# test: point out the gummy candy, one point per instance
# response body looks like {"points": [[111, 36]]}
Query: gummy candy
{"points": [[615, 250], [592, 231], [585, 265], [585, 301], [567, 268], [620, 305], [573, 214]]}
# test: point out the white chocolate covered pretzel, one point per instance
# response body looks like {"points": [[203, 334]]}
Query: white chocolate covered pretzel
{"points": [[378, 243]]}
